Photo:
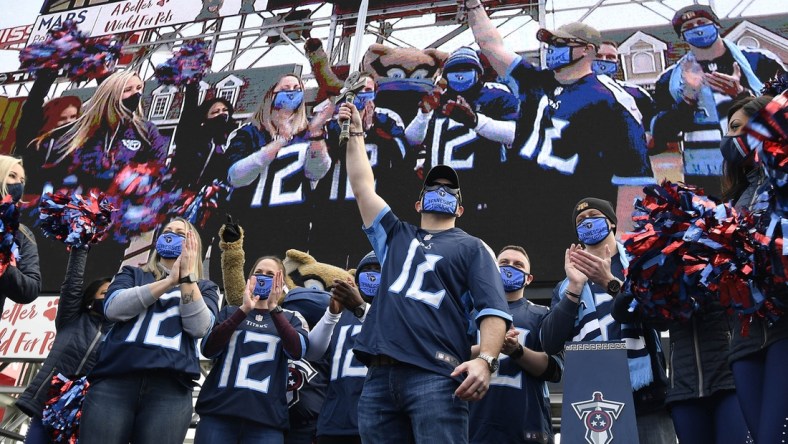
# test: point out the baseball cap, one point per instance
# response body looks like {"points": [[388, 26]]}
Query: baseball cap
{"points": [[571, 31], [604, 207], [691, 12], [442, 172], [464, 56]]}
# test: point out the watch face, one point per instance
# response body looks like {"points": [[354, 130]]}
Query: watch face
{"points": [[494, 364], [614, 286]]}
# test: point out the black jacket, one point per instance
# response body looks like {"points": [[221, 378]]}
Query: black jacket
{"points": [[79, 332], [22, 283], [698, 350]]}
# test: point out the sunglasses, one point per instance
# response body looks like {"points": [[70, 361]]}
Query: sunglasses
{"points": [[437, 186], [551, 39]]}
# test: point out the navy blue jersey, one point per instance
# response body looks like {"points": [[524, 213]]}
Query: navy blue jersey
{"points": [[249, 377], [516, 409], [430, 283], [339, 415], [451, 143], [154, 339]]}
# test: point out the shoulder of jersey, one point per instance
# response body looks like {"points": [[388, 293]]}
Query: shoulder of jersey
{"points": [[497, 86], [386, 115], [299, 316], [538, 309]]}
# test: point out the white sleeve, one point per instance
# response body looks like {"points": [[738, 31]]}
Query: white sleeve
{"points": [[417, 128], [244, 171], [496, 130], [320, 336]]}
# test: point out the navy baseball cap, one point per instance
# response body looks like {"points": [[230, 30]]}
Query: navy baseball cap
{"points": [[442, 172]]}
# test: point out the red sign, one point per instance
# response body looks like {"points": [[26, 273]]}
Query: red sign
{"points": [[17, 34]]}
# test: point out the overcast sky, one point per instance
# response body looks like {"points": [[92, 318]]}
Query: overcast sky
{"points": [[519, 33]]}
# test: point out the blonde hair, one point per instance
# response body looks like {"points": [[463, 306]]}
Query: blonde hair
{"points": [[262, 117], [6, 163], [105, 113], [152, 266]]}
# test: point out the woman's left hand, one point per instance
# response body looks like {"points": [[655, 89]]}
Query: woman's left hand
{"points": [[277, 290], [188, 254], [320, 119]]}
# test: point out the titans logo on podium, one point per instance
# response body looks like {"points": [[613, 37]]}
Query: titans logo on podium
{"points": [[598, 416]]}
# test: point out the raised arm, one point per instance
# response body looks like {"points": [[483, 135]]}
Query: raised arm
{"points": [[70, 305], [488, 38], [359, 171]]}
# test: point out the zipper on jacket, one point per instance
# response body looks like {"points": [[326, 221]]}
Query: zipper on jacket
{"points": [[90, 350], [672, 368], [697, 356], [46, 382], [765, 335]]}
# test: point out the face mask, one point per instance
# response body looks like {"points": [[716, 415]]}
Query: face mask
{"points": [[558, 56], [15, 190], [362, 98], [736, 149], [368, 283], [132, 102], [219, 125], [702, 36], [288, 100], [592, 230], [262, 286], [513, 278], [98, 306], [168, 245], [606, 67], [440, 199], [461, 81]]}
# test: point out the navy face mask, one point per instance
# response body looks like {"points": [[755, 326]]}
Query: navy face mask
{"points": [[132, 102], [288, 100], [606, 67], [461, 81], [735, 149], [440, 199], [15, 190], [558, 56], [262, 286], [513, 278], [701, 36], [368, 283], [362, 98], [169, 245], [592, 230]]}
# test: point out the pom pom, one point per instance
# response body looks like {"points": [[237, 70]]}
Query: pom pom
{"points": [[66, 47], [75, 220], [686, 247], [63, 411], [9, 225], [187, 65], [198, 208]]}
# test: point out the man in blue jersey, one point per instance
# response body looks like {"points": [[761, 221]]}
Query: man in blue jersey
{"points": [[517, 407], [416, 344], [576, 133], [693, 96], [582, 311]]}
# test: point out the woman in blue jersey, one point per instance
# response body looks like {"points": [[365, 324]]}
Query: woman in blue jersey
{"points": [[141, 386], [244, 398]]}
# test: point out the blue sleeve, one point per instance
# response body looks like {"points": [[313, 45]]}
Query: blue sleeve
{"points": [[240, 144], [380, 232], [303, 335], [123, 280], [629, 142], [486, 288], [527, 76]]}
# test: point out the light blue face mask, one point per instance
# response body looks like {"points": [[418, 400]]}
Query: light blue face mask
{"points": [[461, 81], [513, 278], [592, 230], [702, 36], [362, 98], [558, 56], [169, 245], [288, 100], [368, 283], [604, 67], [440, 199]]}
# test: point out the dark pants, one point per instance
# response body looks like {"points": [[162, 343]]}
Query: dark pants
{"points": [[715, 419], [36, 433], [137, 408], [225, 429]]}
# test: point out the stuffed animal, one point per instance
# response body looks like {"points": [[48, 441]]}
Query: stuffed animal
{"points": [[403, 75], [304, 271]]}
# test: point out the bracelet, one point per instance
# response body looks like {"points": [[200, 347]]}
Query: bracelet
{"points": [[569, 293], [357, 134], [517, 354], [317, 138]]}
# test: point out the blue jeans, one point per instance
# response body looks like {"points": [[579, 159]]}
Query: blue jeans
{"points": [[139, 408], [36, 433], [403, 403], [656, 428], [224, 429], [715, 419]]}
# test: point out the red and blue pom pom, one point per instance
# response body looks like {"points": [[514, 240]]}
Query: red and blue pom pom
{"points": [[187, 65], [75, 220], [63, 411], [686, 248], [66, 47], [9, 225], [197, 208]]}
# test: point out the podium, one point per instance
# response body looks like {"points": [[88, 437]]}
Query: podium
{"points": [[597, 405]]}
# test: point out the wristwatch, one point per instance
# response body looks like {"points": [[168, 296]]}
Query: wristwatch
{"points": [[492, 363], [190, 278], [613, 287], [277, 309], [360, 310]]}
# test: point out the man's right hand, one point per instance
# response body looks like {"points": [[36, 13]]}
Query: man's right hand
{"points": [[231, 232], [431, 101], [349, 111], [576, 278]]}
